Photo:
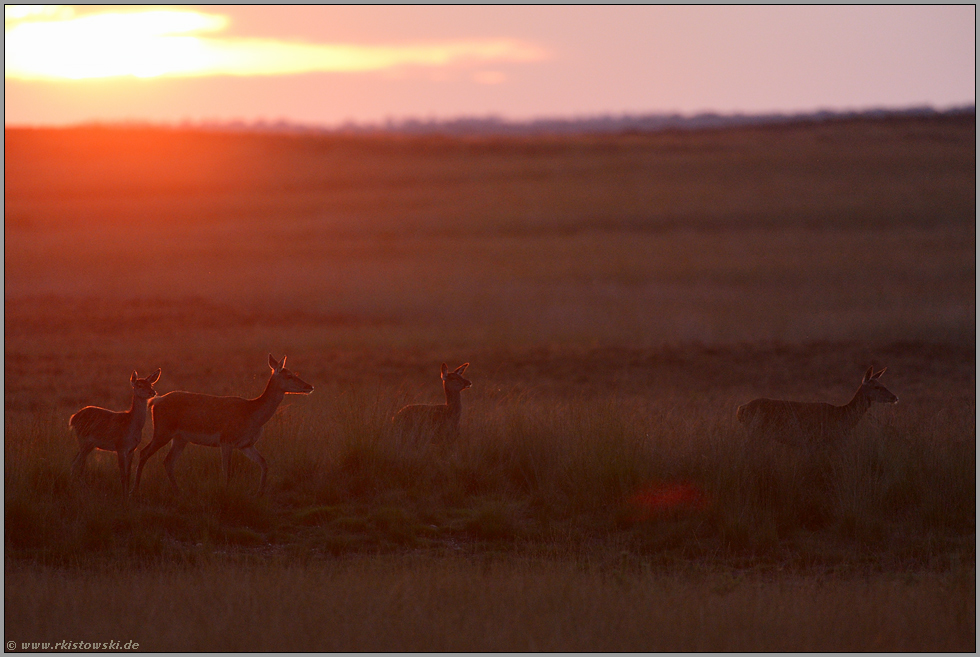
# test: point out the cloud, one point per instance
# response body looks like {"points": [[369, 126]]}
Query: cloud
{"points": [[52, 43]]}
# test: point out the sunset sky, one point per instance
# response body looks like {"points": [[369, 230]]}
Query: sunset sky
{"points": [[325, 65]]}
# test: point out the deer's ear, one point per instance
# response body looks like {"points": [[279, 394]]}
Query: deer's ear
{"points": [[274, 364], [133, 378], [878, 375], [868, 375], [153, 379], [462, 368], [445, 370]]}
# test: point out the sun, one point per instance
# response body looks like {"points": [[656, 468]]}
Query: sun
{"points": [[54, 43]]}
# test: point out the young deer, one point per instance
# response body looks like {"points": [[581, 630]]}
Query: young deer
{"points": [[225, 422], [792, 422], [113, 431], [439, 421]]}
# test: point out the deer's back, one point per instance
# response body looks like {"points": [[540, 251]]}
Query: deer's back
{"points": [[197, 413], [94, 420], [791, 421], [420, 419]]}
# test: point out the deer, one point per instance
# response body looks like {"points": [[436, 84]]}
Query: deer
{"points": [[808, 423], [439, 421], [113, 431], [226, 422]]}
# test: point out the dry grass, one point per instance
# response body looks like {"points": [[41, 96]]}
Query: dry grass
{"points": [[819, 232], [617, 298], [452, 604], [533, 467], [838, 173]]}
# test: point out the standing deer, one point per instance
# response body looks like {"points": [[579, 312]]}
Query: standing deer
{"points": [[796, 423], [113, 431], [225, 422], [438, 421]]}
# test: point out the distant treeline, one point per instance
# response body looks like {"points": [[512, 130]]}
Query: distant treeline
{"points": [[492, 126], [496, 126]]}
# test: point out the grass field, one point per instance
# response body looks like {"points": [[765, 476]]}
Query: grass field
{"points": [[617, 297]]}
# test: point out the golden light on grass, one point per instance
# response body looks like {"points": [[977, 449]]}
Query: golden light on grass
{"points": [[52, 43]]}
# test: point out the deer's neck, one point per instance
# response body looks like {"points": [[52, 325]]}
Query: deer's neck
{"points": [[852, 411], [265, 405], [454, 403], [137, 411]]}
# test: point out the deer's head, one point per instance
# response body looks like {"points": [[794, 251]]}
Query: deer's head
{"points": [[286, 380], [874, 391], [454, 381], [143, 388]]}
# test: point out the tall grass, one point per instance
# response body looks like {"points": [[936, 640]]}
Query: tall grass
{"points": [[523, 472]]}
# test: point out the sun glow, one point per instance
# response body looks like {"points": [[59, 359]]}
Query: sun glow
{"points": [[52, 43]]}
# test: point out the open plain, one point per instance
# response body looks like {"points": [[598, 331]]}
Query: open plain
{"points": [[617, 298]]}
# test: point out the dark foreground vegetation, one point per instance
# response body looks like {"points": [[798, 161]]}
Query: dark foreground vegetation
{"points": [[617, 297], [632, 454]]}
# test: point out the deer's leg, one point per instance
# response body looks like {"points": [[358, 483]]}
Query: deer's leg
{"points": [[125, 458], [154, 445], [254, 455], [168, 462]]}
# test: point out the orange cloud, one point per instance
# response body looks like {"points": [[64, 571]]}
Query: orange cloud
{"points": [[52, 43]]}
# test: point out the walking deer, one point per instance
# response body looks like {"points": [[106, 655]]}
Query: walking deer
{"points": [[225, 422], [440, 422], [796, 423], [113, 431]]}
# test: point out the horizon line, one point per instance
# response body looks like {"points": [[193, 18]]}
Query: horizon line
{"points": [[491, 124]]}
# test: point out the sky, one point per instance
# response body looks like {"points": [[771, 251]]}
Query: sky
{"points": [[330, 65]]}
